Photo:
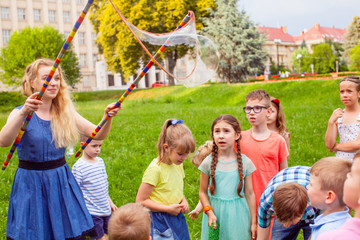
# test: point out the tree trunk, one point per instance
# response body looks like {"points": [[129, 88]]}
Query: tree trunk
{"points": [[171, 63]]}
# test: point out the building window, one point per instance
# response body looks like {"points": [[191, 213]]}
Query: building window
{"points": [[5, 13], [65, 1], [93, 37], [111, 81], [123, 80], [95, 56], [52, 16], [79, 1], [82, 60], [6, 36], [86, 81], [37, 15], [81, 36], [66, 15], [21, 13]]}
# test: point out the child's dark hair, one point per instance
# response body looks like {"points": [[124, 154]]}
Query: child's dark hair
{"points": [[176, 135], [280, 118], [236, 126]]}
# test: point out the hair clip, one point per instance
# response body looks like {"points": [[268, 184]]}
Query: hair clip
{"points": [[174, 122], [197, 153], [276, 101]]}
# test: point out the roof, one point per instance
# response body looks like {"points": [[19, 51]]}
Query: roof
{"points": [[276, 33], [317, 32]]}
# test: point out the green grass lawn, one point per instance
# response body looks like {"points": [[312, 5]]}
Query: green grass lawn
{"points": [[130, 146]]}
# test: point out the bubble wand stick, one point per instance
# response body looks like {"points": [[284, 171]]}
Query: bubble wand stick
{"points": [[47, 80], [133, 85]]}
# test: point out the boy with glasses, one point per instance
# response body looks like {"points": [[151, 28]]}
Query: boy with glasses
{"points": [[266, 149]]}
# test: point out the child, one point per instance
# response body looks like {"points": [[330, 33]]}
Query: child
{"points": [[326, 194], [228, 174], [266, 149], [345, 122], [45, 200], [276, 121], [130, 222], [285, 197], [201, 154], [351, 228], [90, 173], [162, 185]]}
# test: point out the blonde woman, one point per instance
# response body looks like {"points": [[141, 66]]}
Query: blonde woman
{"points": [[45, 200]]}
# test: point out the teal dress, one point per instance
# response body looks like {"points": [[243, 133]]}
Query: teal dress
{"points": [[232, 212]]}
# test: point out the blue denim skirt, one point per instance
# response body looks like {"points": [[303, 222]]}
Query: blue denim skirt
{"points": [[165, 226]]}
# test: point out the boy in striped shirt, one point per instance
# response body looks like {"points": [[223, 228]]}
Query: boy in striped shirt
{"points": [[90, 173]]}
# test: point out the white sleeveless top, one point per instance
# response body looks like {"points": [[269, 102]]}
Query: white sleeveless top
{"points": [[348, 132]]}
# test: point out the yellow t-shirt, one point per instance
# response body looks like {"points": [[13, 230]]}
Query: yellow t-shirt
{"points": [[168, 182]]}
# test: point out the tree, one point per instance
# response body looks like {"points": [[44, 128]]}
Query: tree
{"points": [[299, 60], [323, 58], [29, 44], [355, 58], [238, 40], [352, 37], [122, 52]]}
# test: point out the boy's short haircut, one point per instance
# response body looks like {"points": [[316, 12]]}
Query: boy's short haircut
{"points": [[259, 94], [289, 201], [131, 221], [332, 172]]}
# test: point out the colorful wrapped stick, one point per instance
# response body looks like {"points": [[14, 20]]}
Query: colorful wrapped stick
{"points": [[132, 86], [47, 80]]}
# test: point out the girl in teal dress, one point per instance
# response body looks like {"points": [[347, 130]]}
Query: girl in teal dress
{"points": [[226, 190]]}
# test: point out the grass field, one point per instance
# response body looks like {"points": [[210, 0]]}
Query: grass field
{"points": [[130, 146]]}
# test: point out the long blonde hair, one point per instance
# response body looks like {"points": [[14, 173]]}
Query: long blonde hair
{"points": [[63, 125], [280, 118], [176, 135]]}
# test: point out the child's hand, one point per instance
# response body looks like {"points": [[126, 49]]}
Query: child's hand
{"points": [[212, 219], [174, 209], [253, 231], [194, 214], [113, 207], [184, 208], [335, 115]]}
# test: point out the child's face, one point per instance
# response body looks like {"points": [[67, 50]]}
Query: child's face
{"points": [[352, 186], [176, 156], [316, 195], [94, 148], [273, 115], [225, 135], [257, 119], [348, 93]]}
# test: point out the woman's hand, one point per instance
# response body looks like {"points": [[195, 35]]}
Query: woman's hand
{"points": [[112, 109], [31, 104]]}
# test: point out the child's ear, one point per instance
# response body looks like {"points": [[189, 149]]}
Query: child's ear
{"points": [[330, 197], [166, 146], [237, 135]]}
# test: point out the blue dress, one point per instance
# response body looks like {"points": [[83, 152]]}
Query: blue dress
{"points": [[232, 212], [45, 204]]}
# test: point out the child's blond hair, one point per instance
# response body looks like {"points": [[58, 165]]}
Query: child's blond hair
{"points": [[280, 118], [175, 134], [202, 152], [130, 222], [332, 173], [259, 94]]}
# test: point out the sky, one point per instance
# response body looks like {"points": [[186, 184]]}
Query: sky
{"points": [[298, 15]]}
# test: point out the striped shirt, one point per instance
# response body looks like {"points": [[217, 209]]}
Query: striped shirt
{"points": [[92, 179], [298, 174]]}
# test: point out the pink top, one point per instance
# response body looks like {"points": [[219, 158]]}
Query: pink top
{"points": [[349, 231], [266, 155]]}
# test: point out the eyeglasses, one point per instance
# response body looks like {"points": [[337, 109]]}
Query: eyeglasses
{"points": [[256, 109]]}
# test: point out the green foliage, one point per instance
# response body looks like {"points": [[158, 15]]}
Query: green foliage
{"points": [[29, 44], [323, 58], [130, 146], [121, 51], [9, 100], [299, 62], [352, 37], [238, 41], [355, 58]]}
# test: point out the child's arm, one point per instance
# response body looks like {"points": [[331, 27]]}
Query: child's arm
{"points": [[185, 205], [143, 198], [331, 131], [112, 205], [204, 198], [263, 233], [194, 214], [250, 198], [284, 164]]}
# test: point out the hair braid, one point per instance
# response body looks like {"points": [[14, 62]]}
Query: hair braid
{"points": [[240, 168], [213, 167]]}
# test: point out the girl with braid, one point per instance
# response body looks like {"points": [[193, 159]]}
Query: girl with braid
{"points": [[226, 189]]}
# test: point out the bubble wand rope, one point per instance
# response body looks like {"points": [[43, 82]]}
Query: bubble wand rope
{"points": [[132, 86], [47, 80]]}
